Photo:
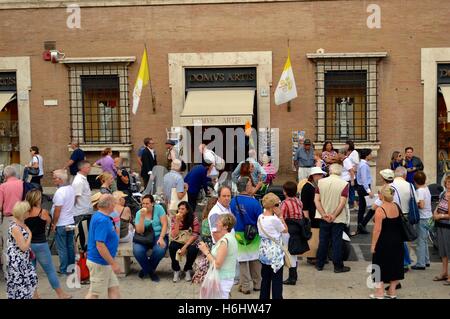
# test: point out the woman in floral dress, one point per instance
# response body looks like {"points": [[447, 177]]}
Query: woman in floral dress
{"points": [[21, 279]]}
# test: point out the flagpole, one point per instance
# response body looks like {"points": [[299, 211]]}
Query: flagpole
{"points": [[150, 81], [289, 102]]}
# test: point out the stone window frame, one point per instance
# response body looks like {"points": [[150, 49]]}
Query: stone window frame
{"points": [[340, 62], [98, 66]]}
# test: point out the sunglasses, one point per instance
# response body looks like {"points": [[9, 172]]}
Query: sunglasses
{"points": [[277, 205]]}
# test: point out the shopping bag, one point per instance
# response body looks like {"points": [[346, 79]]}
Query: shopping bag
{"points": [[210, 288]]}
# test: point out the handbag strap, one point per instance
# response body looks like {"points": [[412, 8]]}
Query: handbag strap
{"points": [[384, 211], [239, 208], [266, 234], [412, 193], [398, 194]]}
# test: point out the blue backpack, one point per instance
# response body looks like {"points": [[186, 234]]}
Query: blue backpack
{"points": [[413, 214]]}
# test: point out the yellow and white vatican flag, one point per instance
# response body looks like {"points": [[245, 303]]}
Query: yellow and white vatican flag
{"points": [[286, 89], [142, 80]]}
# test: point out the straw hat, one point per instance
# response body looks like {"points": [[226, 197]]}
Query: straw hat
{"points": [[95, 198]]}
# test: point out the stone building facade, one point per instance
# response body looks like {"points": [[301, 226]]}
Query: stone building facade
{"points": [[382, 87]]}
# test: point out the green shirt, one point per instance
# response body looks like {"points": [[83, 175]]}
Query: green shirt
{"points": [[206, 231], [228, 269], [158, 211]]}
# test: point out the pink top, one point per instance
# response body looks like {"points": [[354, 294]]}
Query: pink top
{"points": [[10, 193]]}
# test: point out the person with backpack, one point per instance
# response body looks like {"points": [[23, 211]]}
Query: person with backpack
{"points": [[37, 221], [246, 210], [404, 192], [11, 192]]}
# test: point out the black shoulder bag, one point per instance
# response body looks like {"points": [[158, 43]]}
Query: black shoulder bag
{"points": [[250, 231], [147, 238]]}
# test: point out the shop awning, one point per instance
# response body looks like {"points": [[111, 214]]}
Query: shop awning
{"points": [[445, 90], [218, 107], [5, 98]]}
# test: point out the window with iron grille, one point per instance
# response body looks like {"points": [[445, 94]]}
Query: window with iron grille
{"points": [[99, 103], [346, 99]]}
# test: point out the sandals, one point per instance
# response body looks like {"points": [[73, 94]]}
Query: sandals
{"points": [[447, 283], [373, 296], [440, 278], [388, 296]]}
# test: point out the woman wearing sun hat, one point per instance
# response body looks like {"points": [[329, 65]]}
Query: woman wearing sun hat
{"points": [[307, 192]]}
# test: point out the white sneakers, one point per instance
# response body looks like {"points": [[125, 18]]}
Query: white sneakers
{"points": [[176, 276], [188, 276]]}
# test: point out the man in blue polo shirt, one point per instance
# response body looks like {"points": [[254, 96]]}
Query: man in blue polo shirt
{"points": [[197, 179], [247, 209], [102, 248]]}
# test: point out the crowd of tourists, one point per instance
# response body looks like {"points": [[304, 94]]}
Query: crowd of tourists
{"points": [[244, 232]]}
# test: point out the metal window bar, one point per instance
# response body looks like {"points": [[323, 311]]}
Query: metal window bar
{"points": [[99, 103], [346, 100]]}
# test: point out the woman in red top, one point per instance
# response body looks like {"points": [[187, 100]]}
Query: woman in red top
{"points": [[292, 210]]}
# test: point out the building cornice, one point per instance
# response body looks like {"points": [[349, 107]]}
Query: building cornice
{"points": [[350, 55], [119, 59], [33, 4]]}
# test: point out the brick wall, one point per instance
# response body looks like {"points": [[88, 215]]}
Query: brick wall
{"points": [[336, 26]]}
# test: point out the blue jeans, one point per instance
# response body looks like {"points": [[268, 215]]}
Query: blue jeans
{"points": [[351, 194], [423, 255], [149, 264], [334, 232], [44, 257], [406, 258], [65, 246]]}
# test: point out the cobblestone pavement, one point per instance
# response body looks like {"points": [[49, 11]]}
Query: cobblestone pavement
{"points": [[312, 284]]}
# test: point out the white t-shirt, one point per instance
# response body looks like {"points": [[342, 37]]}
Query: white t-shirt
{"points": [[38, 159], [65, 197], [272, 225], [354, 156], [213, 217], [348, 165], [402, 194], [82, 195], [425, 195]]}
